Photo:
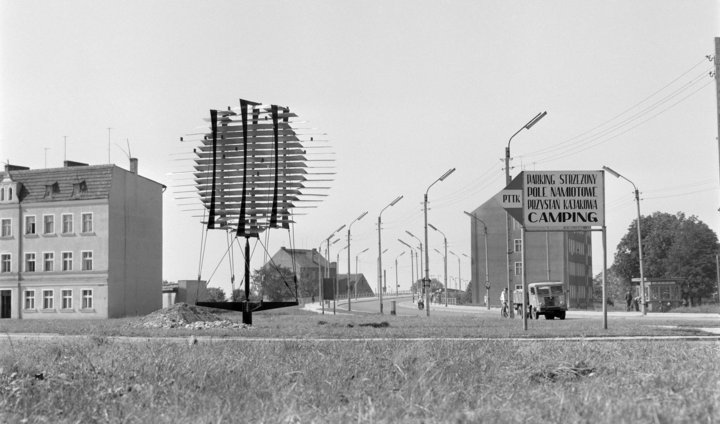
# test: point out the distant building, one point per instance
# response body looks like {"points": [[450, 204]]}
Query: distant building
{"points": [[307, 262], [184, 291], [549, 256], [79, 242]]}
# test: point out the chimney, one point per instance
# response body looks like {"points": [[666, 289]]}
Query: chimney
{"points": [[70, 163], [134, 165], [9, 168]]}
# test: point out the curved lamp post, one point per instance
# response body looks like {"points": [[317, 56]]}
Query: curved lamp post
{"points": [[356, 268], [336, 278], [397, 285], [380, 251], [458, 277], [487, 279], [640, 254], [427, 266], [348, 256], [419, 272], [527, 126], [412, 268], [444, 259]]}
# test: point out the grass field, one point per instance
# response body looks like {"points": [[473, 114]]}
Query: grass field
{"points": [[321, 376]]}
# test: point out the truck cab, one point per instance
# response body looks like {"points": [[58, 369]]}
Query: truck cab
{"points": [[547, 298]]}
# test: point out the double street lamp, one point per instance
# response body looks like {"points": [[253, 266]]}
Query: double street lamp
{"points": [[427, 267], [640, 253], [380, 252], [348, 257], [444, 259]]}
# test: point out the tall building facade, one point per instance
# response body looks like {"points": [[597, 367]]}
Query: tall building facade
{"points": [[549, 256], [79, 242]]}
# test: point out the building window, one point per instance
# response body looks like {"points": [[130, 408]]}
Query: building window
{"points": [[30, 262], [5, 262], [30, 224], [87, 261], [29, 299], [87, 222], [51, 190], [78, 189], [518, 268], [67, 299], [6, 225], [518, 245], [48, 299], [67, 258], [87, 299], [67, 223], [49, 224], [49, 261]]}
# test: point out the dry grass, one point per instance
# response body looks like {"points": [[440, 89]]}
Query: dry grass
{"points": [[97, 380]]}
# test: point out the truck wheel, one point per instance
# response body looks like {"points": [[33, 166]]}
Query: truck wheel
{"points": [[549, 316], [562, 315]]}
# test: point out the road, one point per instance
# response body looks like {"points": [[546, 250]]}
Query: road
{"points": [[406, 307]]}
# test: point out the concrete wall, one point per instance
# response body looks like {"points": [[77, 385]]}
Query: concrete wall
{"points": [[135, 252]]}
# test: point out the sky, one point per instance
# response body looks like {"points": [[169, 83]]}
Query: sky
{"points": [[404, 90]]}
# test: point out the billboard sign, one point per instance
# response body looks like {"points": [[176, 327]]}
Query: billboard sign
{"points": [[557, 199]]}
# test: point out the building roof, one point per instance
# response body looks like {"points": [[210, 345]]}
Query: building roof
{"points": [[304, 257], [85, 182]]}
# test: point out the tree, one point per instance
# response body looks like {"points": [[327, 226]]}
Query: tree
{"points": [[674, 246], [215, 294], [435, 285], [466, 296], [615, 288], [277, 283]]}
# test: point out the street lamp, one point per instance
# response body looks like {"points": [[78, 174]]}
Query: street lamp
{"points": [[320, 288], [380, 251], [458, 258], [427, 265], [640, 253], [337, 271], [419, 272], [412, 269], [444, 259], [527, 126], [327, 251], [356, 268], [444, 275], [487, 279], [396, 273], [348, 256]]}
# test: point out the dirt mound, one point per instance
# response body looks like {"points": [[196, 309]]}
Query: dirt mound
{"points": [[182, 315]]}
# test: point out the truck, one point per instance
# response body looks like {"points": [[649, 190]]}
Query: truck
{"points": [[544, 298]]}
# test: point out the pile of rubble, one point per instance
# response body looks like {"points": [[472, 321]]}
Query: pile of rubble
{"points": [[182, 315]]}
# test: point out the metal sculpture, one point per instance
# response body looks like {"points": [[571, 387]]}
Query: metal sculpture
{"points": [[252, 170]]}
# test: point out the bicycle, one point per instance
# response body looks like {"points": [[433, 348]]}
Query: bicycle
{"points": [[504, 310]]}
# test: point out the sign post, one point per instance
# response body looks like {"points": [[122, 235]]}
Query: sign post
{"points": [[556, 201]]}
